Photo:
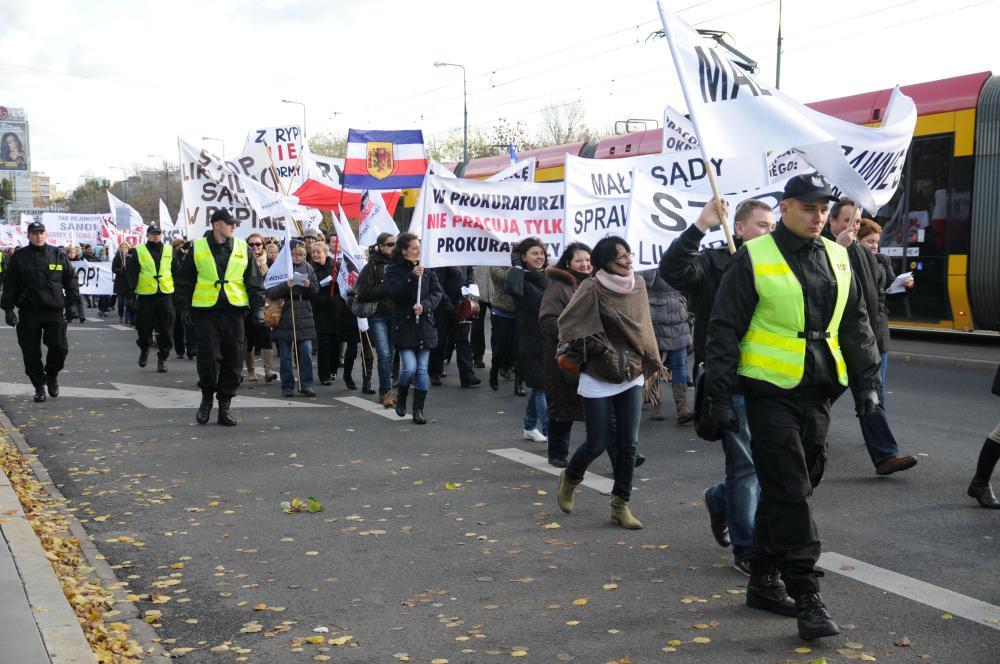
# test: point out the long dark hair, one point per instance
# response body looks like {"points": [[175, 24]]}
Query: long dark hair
{"points": [[528, 243], [382, 237], [403, 241], [4, 150], [606, 251], [568, 253]]}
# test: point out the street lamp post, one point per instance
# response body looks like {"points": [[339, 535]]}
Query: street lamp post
{"points": [[212, 138], [291, 101], [465, 109]]}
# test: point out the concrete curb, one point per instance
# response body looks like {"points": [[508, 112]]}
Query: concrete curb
{"points": [[941, 361], [60, 628]]}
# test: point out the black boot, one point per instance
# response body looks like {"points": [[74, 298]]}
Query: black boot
{"points": [[494, 377], [559, 431], [348, 378], [766, 591], [983, 493], [419, 396], [519, 386], [225, 417], [143, 356], [814, 621], [401, 393], [39, 394], [366, 385], [161, 365], [205, 408], [980, 488], [53, 384]]}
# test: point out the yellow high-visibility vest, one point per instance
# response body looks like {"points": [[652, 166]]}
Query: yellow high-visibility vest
{"points": [[206, 289], [774, 347], [151, 279]]}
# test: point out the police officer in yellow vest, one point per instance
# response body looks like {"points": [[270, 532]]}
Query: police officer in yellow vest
{"points": [[217, 284], [149, 274], [790, 326]]}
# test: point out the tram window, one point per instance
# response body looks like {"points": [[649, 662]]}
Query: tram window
{"points": [[959, 226]]}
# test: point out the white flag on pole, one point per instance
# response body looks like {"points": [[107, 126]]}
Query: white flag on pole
{"points": [[126, 217], [281, 270], [166, 223], [375, 218], [351, 259]]}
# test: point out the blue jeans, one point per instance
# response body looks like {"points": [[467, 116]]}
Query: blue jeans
{"points": [[536, 411], [881, 387], [287, 365], [382, 340], [875, 429], [736, 496], [413, 368], [627, 409], [676, 361]]}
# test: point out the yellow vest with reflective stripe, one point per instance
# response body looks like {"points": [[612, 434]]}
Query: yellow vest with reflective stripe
{"points": [[206, 289], [151, 279], [773, 349]]}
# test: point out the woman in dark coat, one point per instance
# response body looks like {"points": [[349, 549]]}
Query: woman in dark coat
{"points": [[324, 316], [668, 309], [527, 282], [413, 329], [371, 288], [562, 401], [121, 284], [305, 327]]}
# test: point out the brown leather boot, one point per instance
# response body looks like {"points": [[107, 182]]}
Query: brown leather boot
{"points": [[684, 415]]}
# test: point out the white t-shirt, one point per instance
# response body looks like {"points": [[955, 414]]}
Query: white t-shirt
{"points": [[595, 388]]}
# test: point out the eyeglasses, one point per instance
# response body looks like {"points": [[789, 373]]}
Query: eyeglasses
{"points": [[629, 255], [388, 244], [255, 244]]}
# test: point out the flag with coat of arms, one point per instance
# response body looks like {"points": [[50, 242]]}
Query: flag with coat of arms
{"points": [[383, 159]]}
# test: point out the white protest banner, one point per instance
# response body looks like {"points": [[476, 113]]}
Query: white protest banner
{"points": [[66, 228], [658, 214], [11, 235], [126, 216], [255, 163], [208, 185], [678, 132], [375, 219], [469, 222], [733, 113], [433, 168], [111, 236], [25, 220], [350, 261], [94, 278], [170, 230], [598, 190], [523, 170], [285, 146]]}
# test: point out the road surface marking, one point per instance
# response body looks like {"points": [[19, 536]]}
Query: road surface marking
{"points": [[121, 327], [598, 483], [913, 589], [154, 397], [372, 407]]}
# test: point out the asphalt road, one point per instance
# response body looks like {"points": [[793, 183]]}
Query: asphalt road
{"points": [[432, 548]]}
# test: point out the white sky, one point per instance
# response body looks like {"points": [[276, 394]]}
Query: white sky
{"points": [[106, 83]]}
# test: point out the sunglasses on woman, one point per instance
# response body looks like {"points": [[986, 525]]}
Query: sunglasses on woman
{"points": [[255, 244], [388, 244]]}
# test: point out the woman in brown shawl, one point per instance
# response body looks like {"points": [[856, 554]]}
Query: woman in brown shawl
{"points": [[608, 323]]}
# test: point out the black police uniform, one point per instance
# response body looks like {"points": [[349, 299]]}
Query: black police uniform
{"points": [[219, 330], [41, 283], [153, 312], [789, 426]]}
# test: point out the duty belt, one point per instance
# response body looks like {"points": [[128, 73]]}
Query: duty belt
{"points": [[810, 335]]}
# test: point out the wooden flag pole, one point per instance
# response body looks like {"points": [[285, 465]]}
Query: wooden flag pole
{"points": [[719, 208], [295, 339]]}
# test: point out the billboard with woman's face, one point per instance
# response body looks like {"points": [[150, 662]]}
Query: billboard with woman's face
{"points": [[14, 146]]}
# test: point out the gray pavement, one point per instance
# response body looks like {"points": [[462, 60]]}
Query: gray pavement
{"points": [[433, 548]]}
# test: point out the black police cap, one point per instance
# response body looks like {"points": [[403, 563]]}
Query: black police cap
{"points": [[36, 227], [222, 215], [811, 187]]}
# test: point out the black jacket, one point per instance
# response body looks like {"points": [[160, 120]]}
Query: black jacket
{"points": [[865, 267], [401, 285], [324, 299], [697, 274], [527, 288], [119, 264], [452, 279], [371, 283], [40, 280], [735, 305], [186, 278], [888, 276]]}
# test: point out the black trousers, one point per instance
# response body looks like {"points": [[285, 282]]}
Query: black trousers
{"points": [[504, 341], [478, 336], [328, 357], [221, 349], [351, 355], [33, 330], [789, 447], [185, 338], [155, 312], [450, 331]]}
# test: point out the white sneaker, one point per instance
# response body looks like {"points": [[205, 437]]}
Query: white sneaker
{"points": [[535, 435]]}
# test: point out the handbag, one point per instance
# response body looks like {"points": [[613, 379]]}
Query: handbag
{"points": [[569, 359], [704, 427], [361, 309], [272, 311]]}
